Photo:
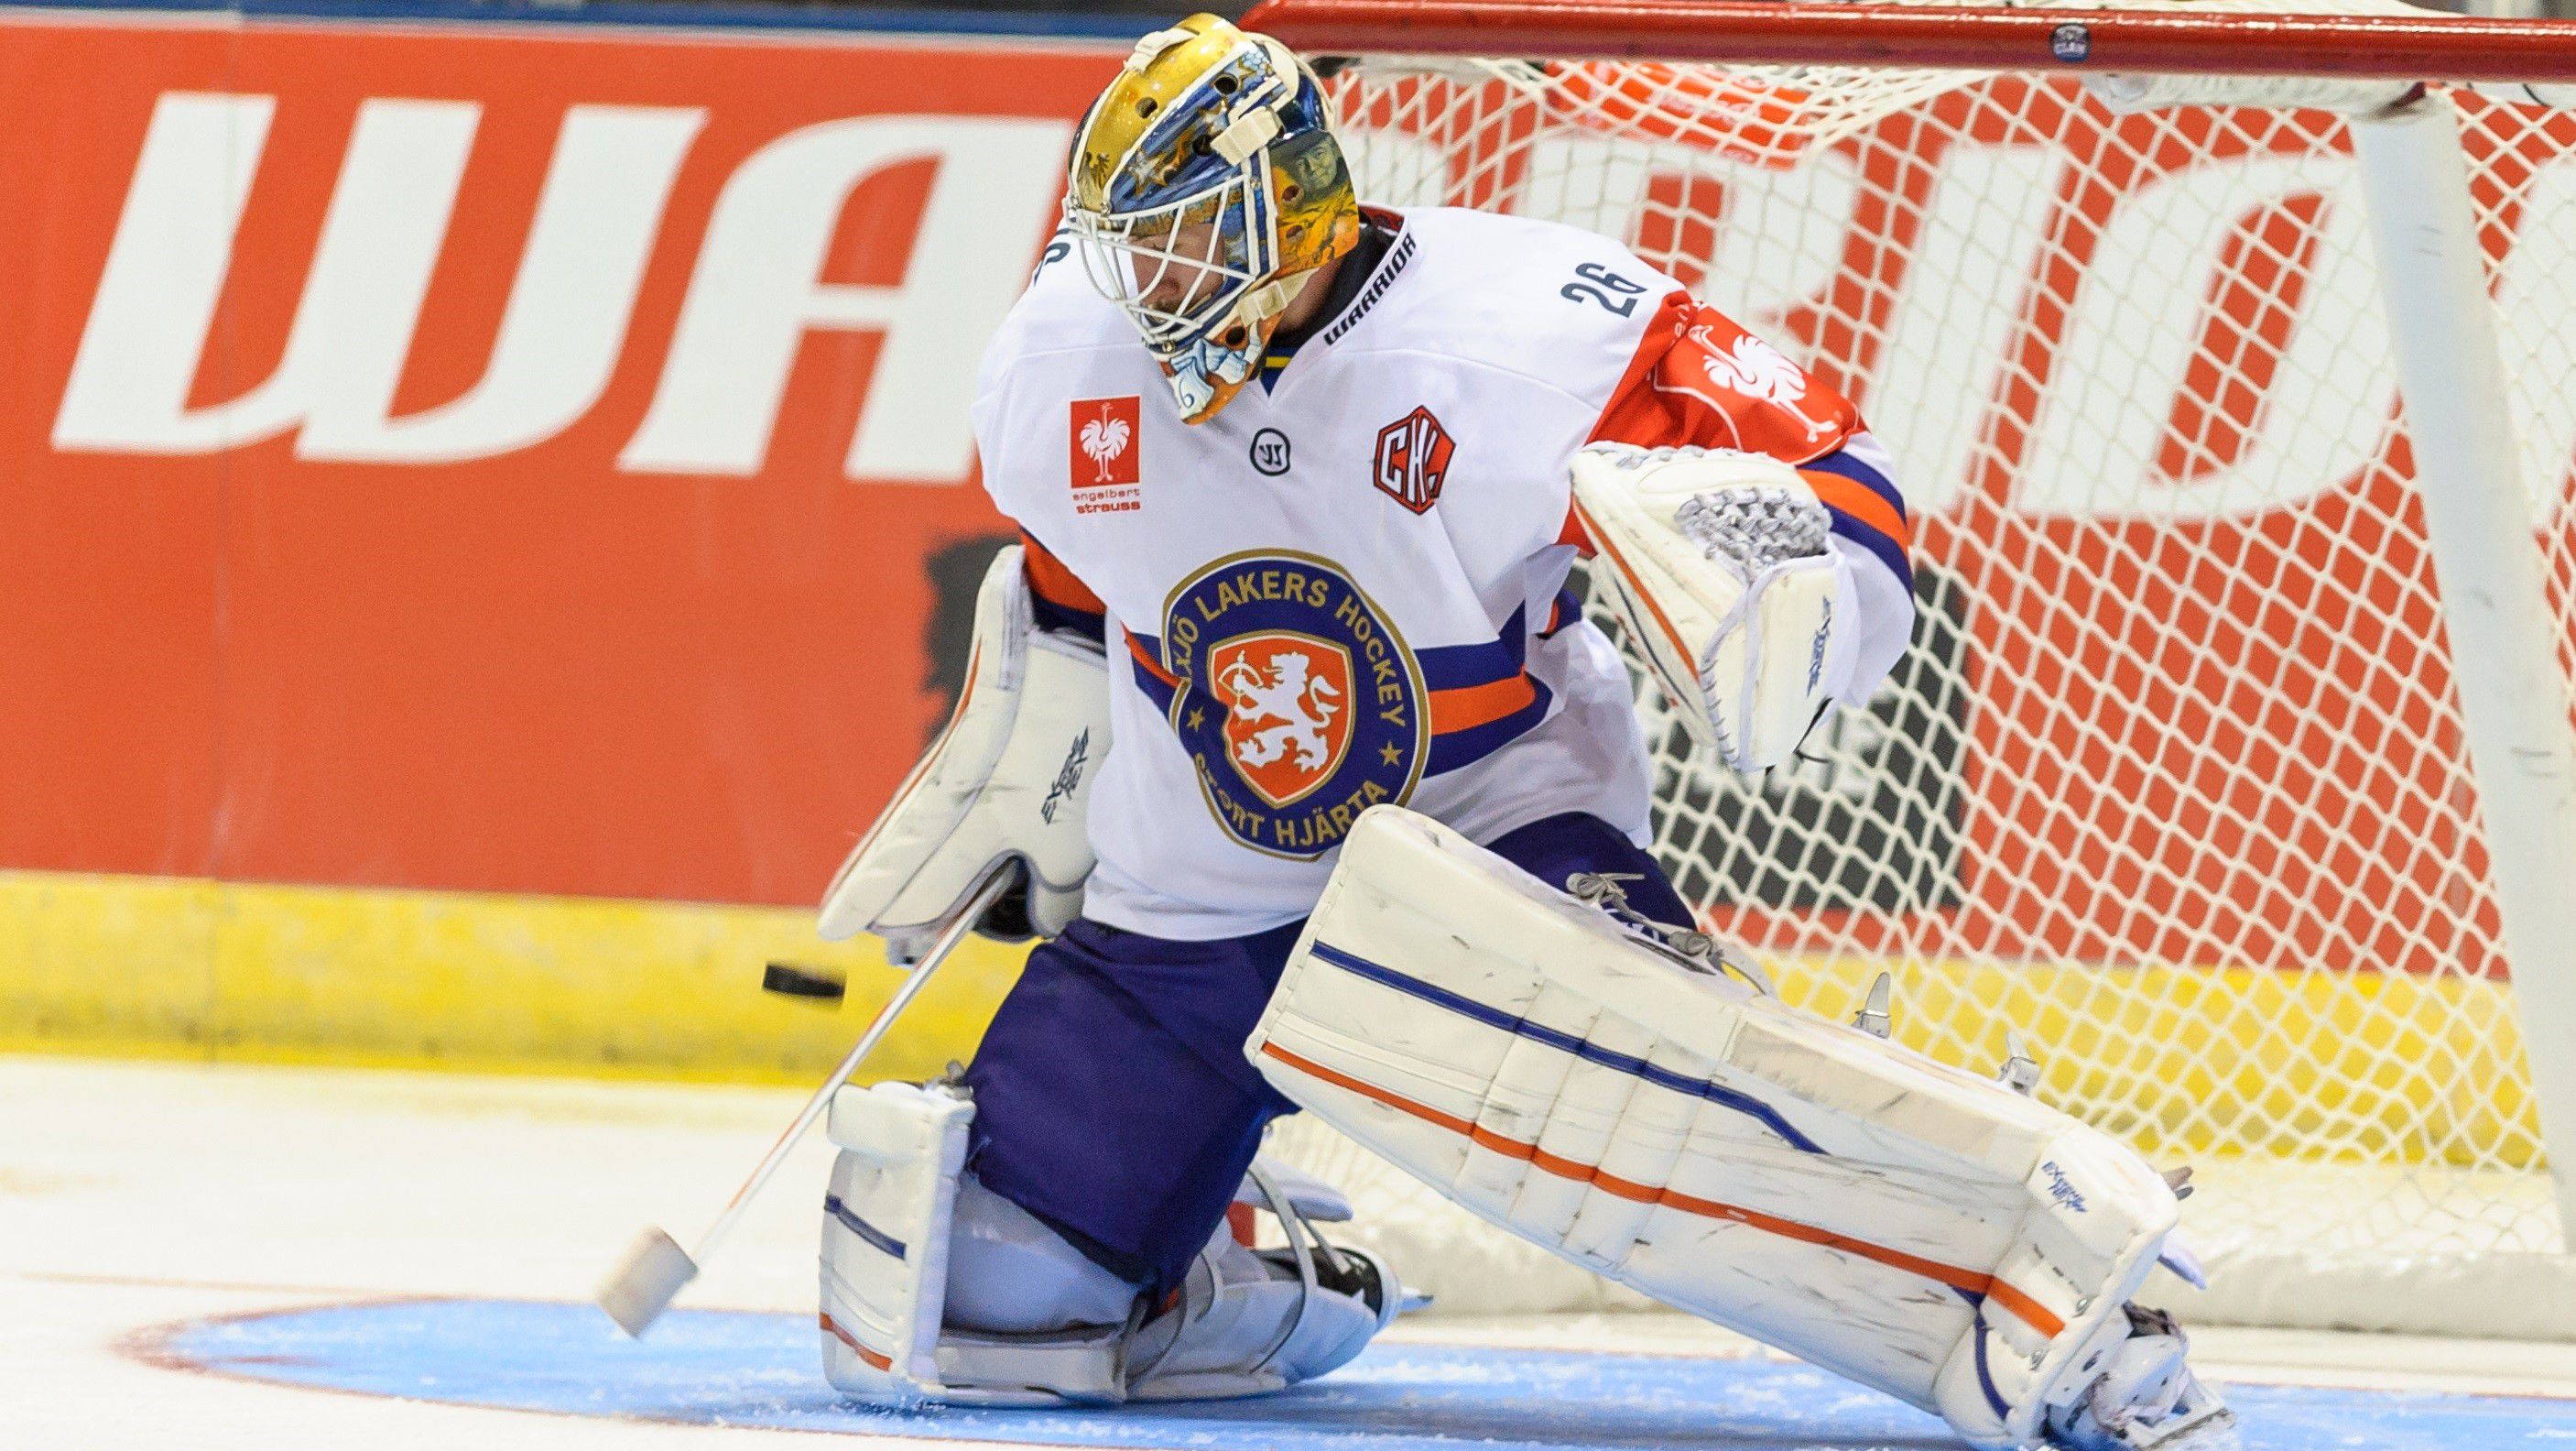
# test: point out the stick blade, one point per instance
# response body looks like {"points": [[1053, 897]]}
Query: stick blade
{"points": [[640, 1288]]}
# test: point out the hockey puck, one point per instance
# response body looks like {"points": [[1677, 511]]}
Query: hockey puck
{"points": [[815, 984]]}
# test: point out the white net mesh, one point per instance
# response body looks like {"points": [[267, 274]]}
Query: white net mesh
{"points": [[2174, 778]]}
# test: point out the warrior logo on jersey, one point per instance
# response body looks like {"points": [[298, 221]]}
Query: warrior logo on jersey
{"points": [[1412, 458], [1297, 701]]}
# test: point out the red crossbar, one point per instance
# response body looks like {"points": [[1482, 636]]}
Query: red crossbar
{"points": [[1783, 32]]}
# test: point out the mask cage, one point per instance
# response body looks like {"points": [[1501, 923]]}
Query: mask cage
{"points": [[1177, 270]]}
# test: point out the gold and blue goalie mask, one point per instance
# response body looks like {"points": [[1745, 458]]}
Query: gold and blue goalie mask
{"points": [[1205, 188]]}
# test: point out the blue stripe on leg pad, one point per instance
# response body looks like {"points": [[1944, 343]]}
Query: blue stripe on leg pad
{"points": [[1743, 1103]]}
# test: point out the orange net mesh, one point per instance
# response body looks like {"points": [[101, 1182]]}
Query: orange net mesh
{"points": [[2174, 779]]}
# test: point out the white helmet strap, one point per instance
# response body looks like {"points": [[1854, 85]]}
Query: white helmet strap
{"points": [[1274, 296], [1153, 44], [1249, 133]]}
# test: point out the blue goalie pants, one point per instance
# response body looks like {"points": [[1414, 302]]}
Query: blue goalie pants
{"points": [[1112, 1098]]}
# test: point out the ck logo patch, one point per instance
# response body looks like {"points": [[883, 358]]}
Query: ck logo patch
{"points": [[1412, 458], [1103, 454]]}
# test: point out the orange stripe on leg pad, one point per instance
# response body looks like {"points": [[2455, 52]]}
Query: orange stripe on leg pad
{"points": [[2028, 1309], [875, 1360]]}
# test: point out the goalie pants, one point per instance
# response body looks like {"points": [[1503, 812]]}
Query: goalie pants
{"points": [[1112, 1098]]}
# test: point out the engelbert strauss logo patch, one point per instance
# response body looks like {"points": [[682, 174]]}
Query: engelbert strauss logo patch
{"points": [[1103, 455], [1298, 704]]}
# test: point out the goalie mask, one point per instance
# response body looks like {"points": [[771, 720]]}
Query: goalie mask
{"points": [[1205, 188]]}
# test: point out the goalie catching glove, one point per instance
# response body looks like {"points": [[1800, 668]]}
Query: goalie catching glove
{"points": [[1718, 563], [1006, 786]]}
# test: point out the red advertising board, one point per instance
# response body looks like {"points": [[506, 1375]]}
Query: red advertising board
{"points": [[485, 459], [537, 460]]}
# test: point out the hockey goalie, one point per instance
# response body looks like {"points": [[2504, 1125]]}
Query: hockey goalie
{"points": [[1322, 793]]}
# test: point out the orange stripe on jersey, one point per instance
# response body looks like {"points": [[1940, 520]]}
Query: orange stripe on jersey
{"points": [[1153, 667], [1975, 1282], [1470, 706], [1837, 492], [1057, 584]]}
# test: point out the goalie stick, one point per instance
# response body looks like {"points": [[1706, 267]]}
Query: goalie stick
{"points": [[654, 1268]]}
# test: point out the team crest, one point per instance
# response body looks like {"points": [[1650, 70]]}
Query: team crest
{"points": [[1296, 699], [1287, 698]]}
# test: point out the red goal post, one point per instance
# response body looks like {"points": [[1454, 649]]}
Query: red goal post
{"points": [[2210, 40], [2227, 356]]}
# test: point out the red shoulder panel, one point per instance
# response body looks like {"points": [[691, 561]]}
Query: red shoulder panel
{"points": [[1698, 378]]}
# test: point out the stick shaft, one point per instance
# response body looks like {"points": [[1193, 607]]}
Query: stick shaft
{"points": [[947, 942]]}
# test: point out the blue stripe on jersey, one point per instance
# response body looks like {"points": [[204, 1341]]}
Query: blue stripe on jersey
{"points": [[1453, 749], [1563, 611], [1444, 667], [1046, 614], [1459, 667], [1156, 688], [1889, 552], [1841, 464]]}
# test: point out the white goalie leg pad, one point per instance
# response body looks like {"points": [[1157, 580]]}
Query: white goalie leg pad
{"points": [[886, 1221], [890, 1229], [1009, 1273], [1719, 567], [937, 1289], [1643, 1113], [1007, 780]]}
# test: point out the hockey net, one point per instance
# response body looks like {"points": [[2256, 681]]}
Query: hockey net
{"points": [[2174, 779]]}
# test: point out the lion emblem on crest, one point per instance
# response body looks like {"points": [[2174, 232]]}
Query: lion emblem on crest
{"points": [[1284, 700], [1293, 695]]}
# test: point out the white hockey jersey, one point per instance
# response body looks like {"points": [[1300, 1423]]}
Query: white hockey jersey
{"points": [[1348, 587]]}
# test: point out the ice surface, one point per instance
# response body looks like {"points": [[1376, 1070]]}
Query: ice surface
{"points": [[135, 1199]]}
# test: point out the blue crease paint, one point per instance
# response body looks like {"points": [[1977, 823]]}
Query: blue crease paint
{"points": [[737, 1368]]}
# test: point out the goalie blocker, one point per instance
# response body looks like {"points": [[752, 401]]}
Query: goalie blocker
{"points": [[1645, 1110], [1007, 780]]}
